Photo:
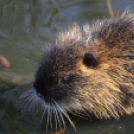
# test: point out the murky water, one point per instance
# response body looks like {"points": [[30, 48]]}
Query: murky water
{"points": [[26, 28]]}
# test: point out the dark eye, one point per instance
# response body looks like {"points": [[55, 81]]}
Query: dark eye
{"points": [[65, 80], [89, 59]]}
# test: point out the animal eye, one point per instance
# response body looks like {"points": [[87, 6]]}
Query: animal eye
{"points": [[89, 59], [65, 80]]}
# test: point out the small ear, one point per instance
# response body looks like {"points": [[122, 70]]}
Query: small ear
{"points": [[89, 59]]}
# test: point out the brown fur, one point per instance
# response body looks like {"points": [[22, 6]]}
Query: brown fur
{"points": [[105, 91]]}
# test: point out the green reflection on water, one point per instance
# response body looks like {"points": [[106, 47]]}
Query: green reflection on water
{"points": [[26, 27]]}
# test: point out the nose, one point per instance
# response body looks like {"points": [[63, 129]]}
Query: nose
{"points": [[40, 95]]}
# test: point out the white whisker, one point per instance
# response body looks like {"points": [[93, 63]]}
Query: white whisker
{"points": [[66, 115], [44, 111], [60, 113], [58, 117], [48, 117], [26, 94], [54, 112], [62, 119], [28, 102], [51, 115]]}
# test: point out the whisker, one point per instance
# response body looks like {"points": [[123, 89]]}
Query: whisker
{"points": [[26, 94], [66, 115], [25, 99], [60, 113], [74, 113], [28, 102], [48, 117], [58, 117], [44, 111], [54, 112], [51, 115], [38, 108], [51, 118], [62, 119], [34, 103]]}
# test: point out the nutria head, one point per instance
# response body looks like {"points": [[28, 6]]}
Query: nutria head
{"points": [[89, 71]]}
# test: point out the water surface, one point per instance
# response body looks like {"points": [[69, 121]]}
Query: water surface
{"points": [[26, 28]]}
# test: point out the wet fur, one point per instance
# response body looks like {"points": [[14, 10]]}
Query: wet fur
{"points": [[105, 91]]}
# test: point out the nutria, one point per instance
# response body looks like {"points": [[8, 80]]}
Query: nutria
{"points": [[89, 71]]}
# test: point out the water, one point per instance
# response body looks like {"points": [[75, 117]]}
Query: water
{"points": [[26, 28]]}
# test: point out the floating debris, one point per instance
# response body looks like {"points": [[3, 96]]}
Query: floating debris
{"points": [[62, 130], [4, 61]]}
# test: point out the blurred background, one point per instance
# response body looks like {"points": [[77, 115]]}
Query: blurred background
{"points": [[26, 28]]}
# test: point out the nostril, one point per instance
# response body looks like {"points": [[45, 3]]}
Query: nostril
{"points": [[39, 95]]}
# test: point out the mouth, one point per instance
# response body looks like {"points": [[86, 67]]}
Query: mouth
{"points": [[46, 99], [54, 109]]}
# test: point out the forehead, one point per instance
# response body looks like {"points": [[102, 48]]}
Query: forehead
{"points": [[68, 51], [63, 58]]}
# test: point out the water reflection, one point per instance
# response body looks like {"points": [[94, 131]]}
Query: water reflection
{"points": [[26, 27], [13, 120]]}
